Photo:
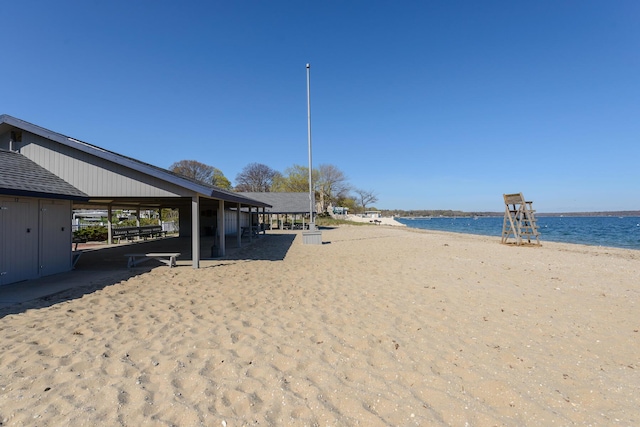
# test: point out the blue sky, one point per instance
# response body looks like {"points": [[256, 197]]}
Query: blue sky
{"points": [[431, 104]]}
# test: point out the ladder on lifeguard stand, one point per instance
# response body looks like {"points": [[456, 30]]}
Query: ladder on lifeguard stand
{"points": [[519, 220]]}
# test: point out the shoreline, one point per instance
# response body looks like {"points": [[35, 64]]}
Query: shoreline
{"points": [[545, 237], [378, 326], [549, 244], [380, 220]]}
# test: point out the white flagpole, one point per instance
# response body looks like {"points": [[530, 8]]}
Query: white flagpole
{"points": [[311, 196]]}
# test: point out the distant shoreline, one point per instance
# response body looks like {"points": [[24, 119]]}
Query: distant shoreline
{"points": [[501, 214], [610, 230]]}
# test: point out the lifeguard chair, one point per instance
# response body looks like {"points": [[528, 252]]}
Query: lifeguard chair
{"points": [[519, 220]]}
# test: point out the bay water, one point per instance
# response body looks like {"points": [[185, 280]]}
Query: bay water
{"points": [[612, 231]]}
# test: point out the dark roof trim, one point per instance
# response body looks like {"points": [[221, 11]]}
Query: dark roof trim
{"points": [[23, 177], [154, 171], [40, 195]]}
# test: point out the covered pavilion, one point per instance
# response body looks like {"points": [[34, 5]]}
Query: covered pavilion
{"points": [[113, 181], [286, 204]]}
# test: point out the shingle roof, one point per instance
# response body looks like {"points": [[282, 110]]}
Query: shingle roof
{"points": [[163, 174], [283, 203], [22, 177]]}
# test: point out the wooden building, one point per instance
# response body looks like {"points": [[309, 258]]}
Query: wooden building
{"points": [[35, 219], [109, 180], [286, 207]]}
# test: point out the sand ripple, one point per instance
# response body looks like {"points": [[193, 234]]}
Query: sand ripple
{"points": [[380, 327]]}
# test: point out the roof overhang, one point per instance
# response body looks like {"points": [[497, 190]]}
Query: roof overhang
{"points": [[41, 195], [198, 189]]}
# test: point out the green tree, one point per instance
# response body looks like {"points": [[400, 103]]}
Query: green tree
{"points": [[205, 174], [221, 181], [295, 179], [330, 184], [348, 202]]}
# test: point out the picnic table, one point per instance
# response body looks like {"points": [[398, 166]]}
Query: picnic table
{"points": [[166, 258]]}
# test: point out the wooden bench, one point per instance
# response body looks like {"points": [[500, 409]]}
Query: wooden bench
{"points": [[131, 232], [76, 240], [255, 231], [166, 258], [151, 231], [124, 232], [75, 256]]}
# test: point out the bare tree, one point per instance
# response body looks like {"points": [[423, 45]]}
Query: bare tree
{"points": [[332, 185], [255, 177], [200, 172], [366, 197]]}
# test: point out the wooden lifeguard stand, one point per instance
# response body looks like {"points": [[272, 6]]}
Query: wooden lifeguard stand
{"points": [[519, 220]]}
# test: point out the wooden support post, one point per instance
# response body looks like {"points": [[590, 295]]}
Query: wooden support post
{"points": [[239, 228], [195, 231], [109, 225], [221, 233]]}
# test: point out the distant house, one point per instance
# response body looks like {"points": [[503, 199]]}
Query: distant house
{"points": [[96, 178], [340, 210], [284, 207], [35, 219]]}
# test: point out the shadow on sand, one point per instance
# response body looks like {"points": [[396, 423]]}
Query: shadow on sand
{"points": [[272, 247], [102, 266], [47, 291]]}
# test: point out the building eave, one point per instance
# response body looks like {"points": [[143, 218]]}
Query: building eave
{"points": [[145, 168]]}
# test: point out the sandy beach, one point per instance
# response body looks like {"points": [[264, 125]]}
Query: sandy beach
{"points": [[379, 326]]}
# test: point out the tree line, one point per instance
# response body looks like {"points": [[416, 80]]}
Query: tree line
{"points": [[421, 213], [331, 186]]}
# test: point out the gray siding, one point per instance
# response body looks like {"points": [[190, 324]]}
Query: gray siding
{"points": [[19, 243], [231, 221], [4, 140], [94, 176], [36, 238], [55, 236]]}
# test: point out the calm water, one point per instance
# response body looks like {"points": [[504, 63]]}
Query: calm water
{"points": [[598, 231]]}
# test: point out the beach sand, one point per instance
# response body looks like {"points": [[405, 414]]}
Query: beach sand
{"points": [[379, 326]]}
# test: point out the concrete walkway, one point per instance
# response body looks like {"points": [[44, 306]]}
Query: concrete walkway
{"points": [[28, 290]]}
